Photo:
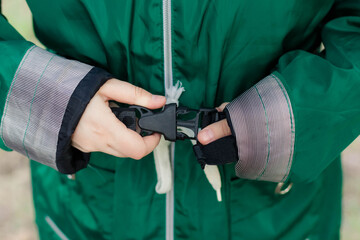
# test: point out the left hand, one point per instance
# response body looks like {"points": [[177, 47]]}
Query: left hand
{"points": [[216, 130]]}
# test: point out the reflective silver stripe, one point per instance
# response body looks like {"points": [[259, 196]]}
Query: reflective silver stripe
{"points": [[36, 103], [55, 228], [170, 200], [168, 82], [263, 122], [168, 75]]}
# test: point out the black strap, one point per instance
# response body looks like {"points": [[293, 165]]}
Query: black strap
{"points": [[221, 151]]}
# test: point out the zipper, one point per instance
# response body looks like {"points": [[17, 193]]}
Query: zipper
{"points": [[168, 75], [168, 83], [170, 200]]}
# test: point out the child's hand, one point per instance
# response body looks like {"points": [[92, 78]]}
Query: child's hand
{"points": [[100, 131]]}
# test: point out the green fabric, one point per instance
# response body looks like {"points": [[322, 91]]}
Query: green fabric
{"points": [[220, 49], [324, 92]]}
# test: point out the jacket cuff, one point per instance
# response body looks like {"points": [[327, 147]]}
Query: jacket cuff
{"points": [[262, 121], [46, 99]]}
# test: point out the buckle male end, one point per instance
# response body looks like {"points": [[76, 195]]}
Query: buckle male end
{"points": [[170, 122]]}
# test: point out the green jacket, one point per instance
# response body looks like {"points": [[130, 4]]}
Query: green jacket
{"points": [[301, 108]]}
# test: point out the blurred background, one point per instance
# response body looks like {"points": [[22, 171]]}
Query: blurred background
{"points": [[16, 210]]}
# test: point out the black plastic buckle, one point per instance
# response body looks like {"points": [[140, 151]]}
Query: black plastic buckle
{"points": [[179, 123], [175, 123]]}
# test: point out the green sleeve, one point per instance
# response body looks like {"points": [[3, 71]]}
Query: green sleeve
{"points": [[12, 50], [324, 91], [43, 96]]}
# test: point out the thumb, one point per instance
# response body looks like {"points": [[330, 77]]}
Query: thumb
{"points": [[214, 132], [125, 92]]}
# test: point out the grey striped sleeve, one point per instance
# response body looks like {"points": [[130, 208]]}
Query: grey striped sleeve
{"points": [[262, 120], [36, 103]]}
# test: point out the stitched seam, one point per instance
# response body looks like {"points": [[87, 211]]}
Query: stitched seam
{"points": [[10, 91], [292, 126], [31, 104], [268, 135]]}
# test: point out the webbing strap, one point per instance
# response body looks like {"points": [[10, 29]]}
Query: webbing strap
{"points": [[221, 151]]}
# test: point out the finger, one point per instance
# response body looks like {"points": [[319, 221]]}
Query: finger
{"points": [[125, 92], [129, 143], [222, 106], [150, 141], [214, 132], [138, 147]]}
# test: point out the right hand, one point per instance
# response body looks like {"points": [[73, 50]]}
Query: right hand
{"points": [[100, 131]]}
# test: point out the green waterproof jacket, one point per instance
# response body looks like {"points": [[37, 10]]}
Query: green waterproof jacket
{"points": [[293, 110]]}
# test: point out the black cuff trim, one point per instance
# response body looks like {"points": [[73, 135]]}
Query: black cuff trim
{"points": [[228, 119], [69, 159]]}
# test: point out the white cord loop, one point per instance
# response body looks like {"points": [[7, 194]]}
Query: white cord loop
{"points": [[162, 153]]}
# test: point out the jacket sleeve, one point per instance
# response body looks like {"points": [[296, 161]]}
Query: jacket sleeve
{"points": [[296, 121], [42, 99]]}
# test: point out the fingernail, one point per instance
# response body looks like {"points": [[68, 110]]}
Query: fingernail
{"points": [[207, 135], [157, 98]]}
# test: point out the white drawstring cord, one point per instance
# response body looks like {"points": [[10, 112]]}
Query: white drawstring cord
{"points": [[211, 171], [162, 154], [173, 93], [163, 167], [213, 176]]}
